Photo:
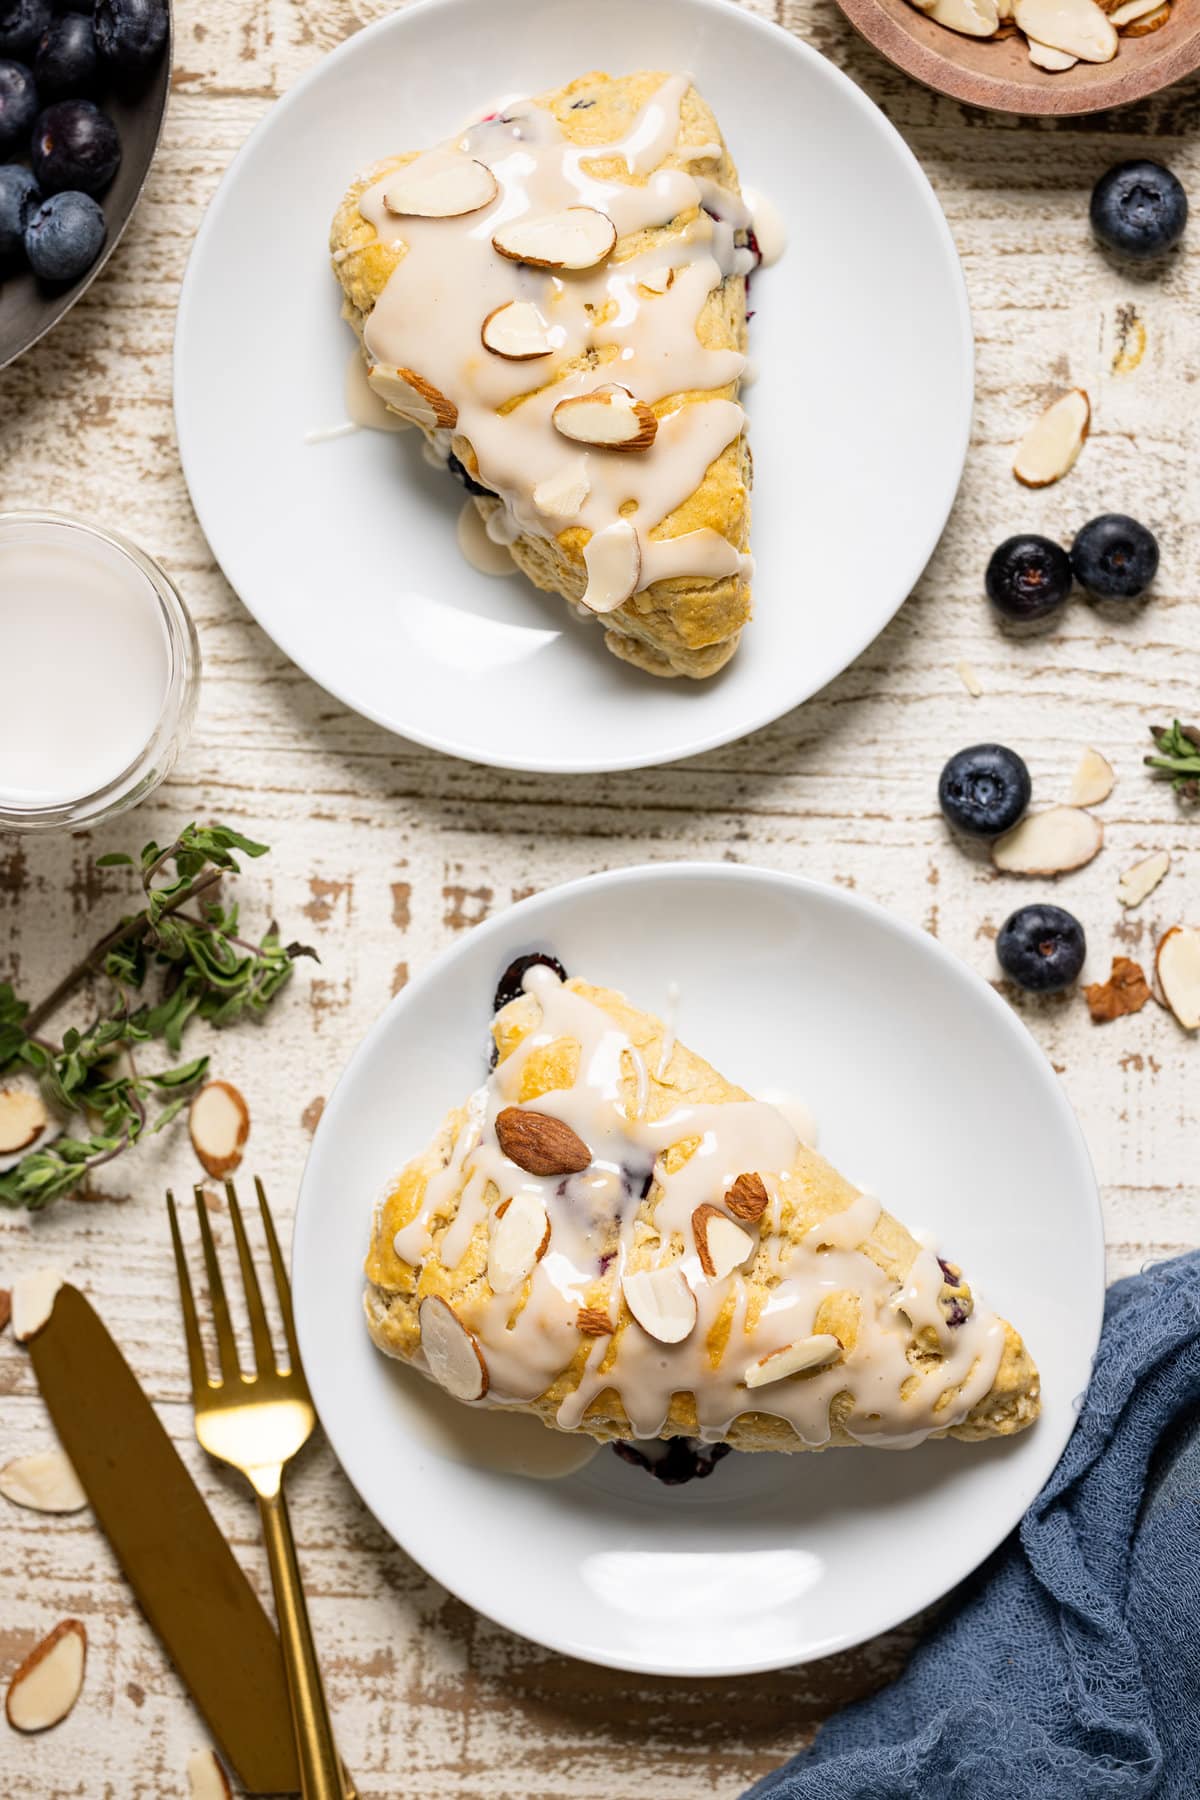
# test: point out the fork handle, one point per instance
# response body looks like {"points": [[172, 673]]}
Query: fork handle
{"points": [[320, 1770]]}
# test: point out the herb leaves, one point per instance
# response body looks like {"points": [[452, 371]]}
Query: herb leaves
{"points": [[1178, 756]]}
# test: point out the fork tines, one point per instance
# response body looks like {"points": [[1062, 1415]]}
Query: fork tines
{"points": [[264, 1353]]}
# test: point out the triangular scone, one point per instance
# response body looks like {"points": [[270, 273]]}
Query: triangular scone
{"points": [[613, 1237], [591, 242]]}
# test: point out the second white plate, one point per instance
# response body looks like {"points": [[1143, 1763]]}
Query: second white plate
{"points": [[345, 550]]}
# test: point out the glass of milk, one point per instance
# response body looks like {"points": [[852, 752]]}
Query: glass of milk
{"points": [[99, 672]]}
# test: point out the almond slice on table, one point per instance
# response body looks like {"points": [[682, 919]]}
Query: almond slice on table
{"points": [[442, 184], [1049, 843], [1177, 964], [1142, 879], [23, 1118], [608, 417], [520, 1239], [721, 1245], [412, 396], [452, 1352], [792, 1359], [1077, 27], [578, 237], [516, 331], [219, 1124], [1047, 57], [539, 1143], [1093, 780], [613, 560], [49, 1681], [747, 1198], [33, 1297], [1052, 444], [662, 1303], [1148, 22], [44, 1482], [207, 1780], [562, 494]]}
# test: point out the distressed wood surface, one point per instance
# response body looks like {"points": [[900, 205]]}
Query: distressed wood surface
{"points": [[383, 852]]}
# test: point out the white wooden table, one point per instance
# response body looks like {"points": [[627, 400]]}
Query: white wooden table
{"points": [[382, 852]]}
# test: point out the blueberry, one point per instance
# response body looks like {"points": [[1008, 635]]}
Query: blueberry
{"points": [[22, 23], [461, 473], [512, 978], [677, 1460], [1028, 577], [1042, 948], [18, 197], [18, 106], [1114, 557], [984, 790], [130, 33], [1139, 209], [75, 145], [66, 60], [64, 236]]}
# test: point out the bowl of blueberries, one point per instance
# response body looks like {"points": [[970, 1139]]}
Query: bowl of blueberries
{"points": [[83, 91]]}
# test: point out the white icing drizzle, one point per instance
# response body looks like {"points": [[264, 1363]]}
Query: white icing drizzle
{"points": [[641, 309], [527, 1339]]}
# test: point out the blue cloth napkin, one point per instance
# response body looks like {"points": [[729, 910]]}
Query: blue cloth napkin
{"points": [[1069, 1666]]}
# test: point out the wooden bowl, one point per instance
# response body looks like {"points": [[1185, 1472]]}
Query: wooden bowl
{"points": [[28, 307], [997, 73]]}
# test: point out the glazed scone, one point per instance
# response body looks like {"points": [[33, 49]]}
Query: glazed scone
{"points": [[612, 1236], [557, 297]]}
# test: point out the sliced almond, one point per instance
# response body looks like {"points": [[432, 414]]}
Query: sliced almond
{"points": [[579, 237], [1142, 879], [974, 18], [1052, 444], [520, 1238], [1125, 991], [1177, 963], [562, 494], [970, 680], [207, 1780], [593, 1322], [1152, 21], [1049, 843], [1077, 27], [540, 1144], [452, 1352], [33, 1298], [662, 1303], [613, 560], [1093, 780], [219, 1123], [1047, 57], [609, 417], [44, 1482], [516, 331], [721, 1245], [23, 1118], [48, 1682], [792, 1359], [1131, 11], [442, 184], [747, 1198], [412, 396]]}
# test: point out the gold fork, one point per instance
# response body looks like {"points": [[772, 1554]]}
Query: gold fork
{"points": [[256, 1423]]}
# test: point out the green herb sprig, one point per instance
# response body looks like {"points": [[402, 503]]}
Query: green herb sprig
{"points": [[198, 967], [1178, 756]]}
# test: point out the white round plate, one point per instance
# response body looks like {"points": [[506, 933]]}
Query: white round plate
{"points": [[927, 1089], [345, 551]]}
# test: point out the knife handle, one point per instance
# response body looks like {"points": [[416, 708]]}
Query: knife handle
{"points": [[320, 1769]]}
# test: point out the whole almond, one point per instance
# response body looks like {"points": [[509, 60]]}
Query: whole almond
{"points": [[592, 1322], [540, 1144], [747, 1198]]}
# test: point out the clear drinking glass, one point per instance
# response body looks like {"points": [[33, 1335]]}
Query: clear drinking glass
{"points": [[65, 700]]}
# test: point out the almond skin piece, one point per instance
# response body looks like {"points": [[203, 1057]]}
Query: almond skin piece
{"points": [[747, 1198], [593, 1323], [219, 1124], [5, 1307], [1125, 991], [50, 1680], [540, 1144]]}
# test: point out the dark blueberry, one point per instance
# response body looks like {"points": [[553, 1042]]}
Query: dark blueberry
{"points": [[1028, 577], [18, 106], [64, 236], [984, 790], [66, 60], [1114, 557], [130, 33], [75, 146], [1139, 209], [461, 473], [677, 1460], [22, 23], [510, 982], [18, 197], [1042, 948]]}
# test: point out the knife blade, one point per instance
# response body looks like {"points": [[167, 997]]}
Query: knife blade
{"points": [[186, 1579]]}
